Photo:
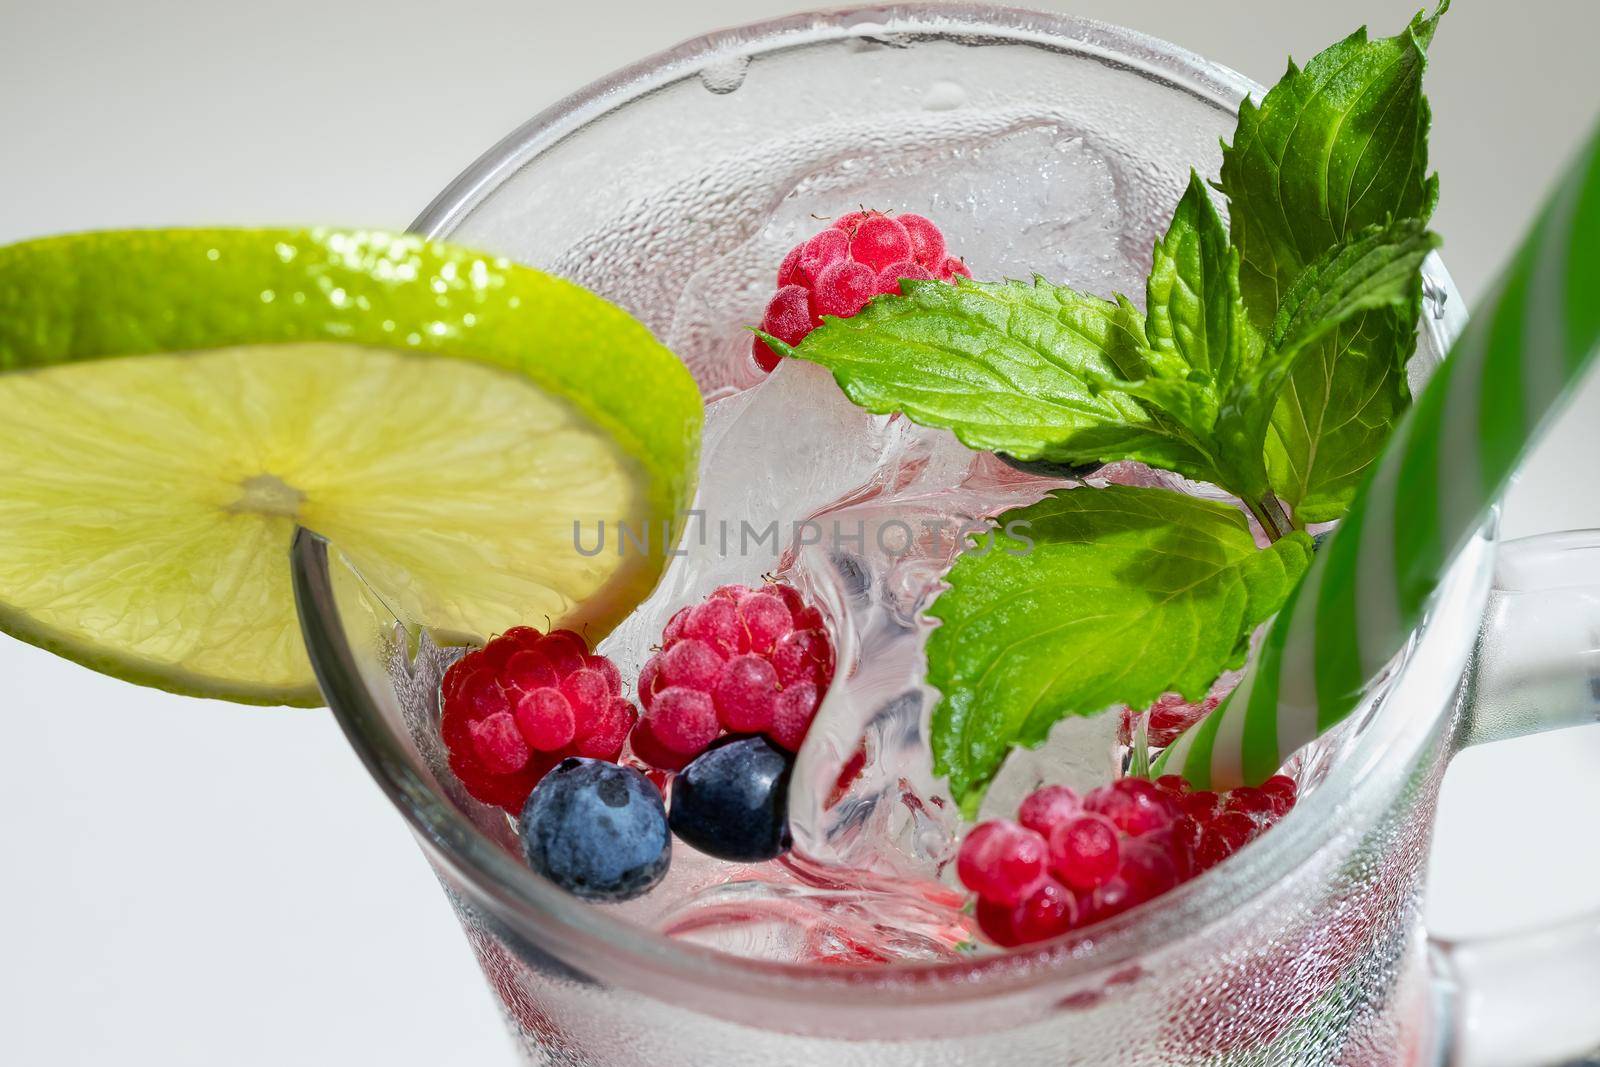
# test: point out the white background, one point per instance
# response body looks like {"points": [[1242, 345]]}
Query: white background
{"points": [[183, 882]]}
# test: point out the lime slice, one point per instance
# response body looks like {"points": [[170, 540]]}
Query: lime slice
{"points": [[177, 402]]}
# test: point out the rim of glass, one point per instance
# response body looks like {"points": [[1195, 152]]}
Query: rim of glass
{"points": [[1161, 60], [535, 908]]}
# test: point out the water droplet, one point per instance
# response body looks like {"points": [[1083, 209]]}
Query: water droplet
{"points": [[944, 96], [725, 75]]}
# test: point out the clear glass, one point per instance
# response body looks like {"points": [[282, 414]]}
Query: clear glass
{"points": [[672, 188]]}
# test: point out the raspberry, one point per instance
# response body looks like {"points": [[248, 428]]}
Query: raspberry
{"points": [[1125, 844], [1002, 862], [804, 656], [652, 753], [691, 663], [565, 650], [1183, 840], [1134, 805], [525, 701], [1147, 868], [717, 623], [1251, 802], [1279, 785], [766, 618], [1221, 837], [647, 682], [843, 288], [529, 670], [482, 694], [790, 265], [879, 241], [675, 625], [610, 730], [850, 220], [745, 693], [1085, 851], [1201, 805], [544, 717], [792, 713], [683, 719], [995, 922], [1171, 715], [927, 243], [828, 247], [743, 661], [1281, 790], [889, 278], [1045, 809], [953, 268], [1235, 828], [789, 318], [1049, 911], [498, 745], [835, 272]]}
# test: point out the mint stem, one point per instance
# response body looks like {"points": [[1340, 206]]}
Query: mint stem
{"points": [[1270, 514], [1280, 518]]}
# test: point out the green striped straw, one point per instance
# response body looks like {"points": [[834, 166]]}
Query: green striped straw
{"points": [[1448, 461]]}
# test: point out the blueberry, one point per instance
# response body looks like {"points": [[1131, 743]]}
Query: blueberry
{"points": [[731, 802], [597, 830]]}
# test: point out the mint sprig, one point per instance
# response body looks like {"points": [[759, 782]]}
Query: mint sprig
{"points": [[1269, 359]]}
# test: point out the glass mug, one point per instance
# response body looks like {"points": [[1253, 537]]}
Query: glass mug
{"points": [[1307, 948]]}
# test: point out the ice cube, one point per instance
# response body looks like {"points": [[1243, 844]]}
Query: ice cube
{"points": [[1018, 190]]}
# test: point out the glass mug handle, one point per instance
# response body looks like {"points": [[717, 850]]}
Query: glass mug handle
{"points": [[1529, 997]]}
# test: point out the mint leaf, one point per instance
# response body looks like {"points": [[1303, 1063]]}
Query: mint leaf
{"points": [[1193, 308], [1336, 411], [1378, 270], [1009, 367], [1193, 337], [1344, 394], [1330, 151], [1125, 594]]}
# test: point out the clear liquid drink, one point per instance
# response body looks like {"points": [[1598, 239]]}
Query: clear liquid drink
{"points": [[1050, 145]]}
